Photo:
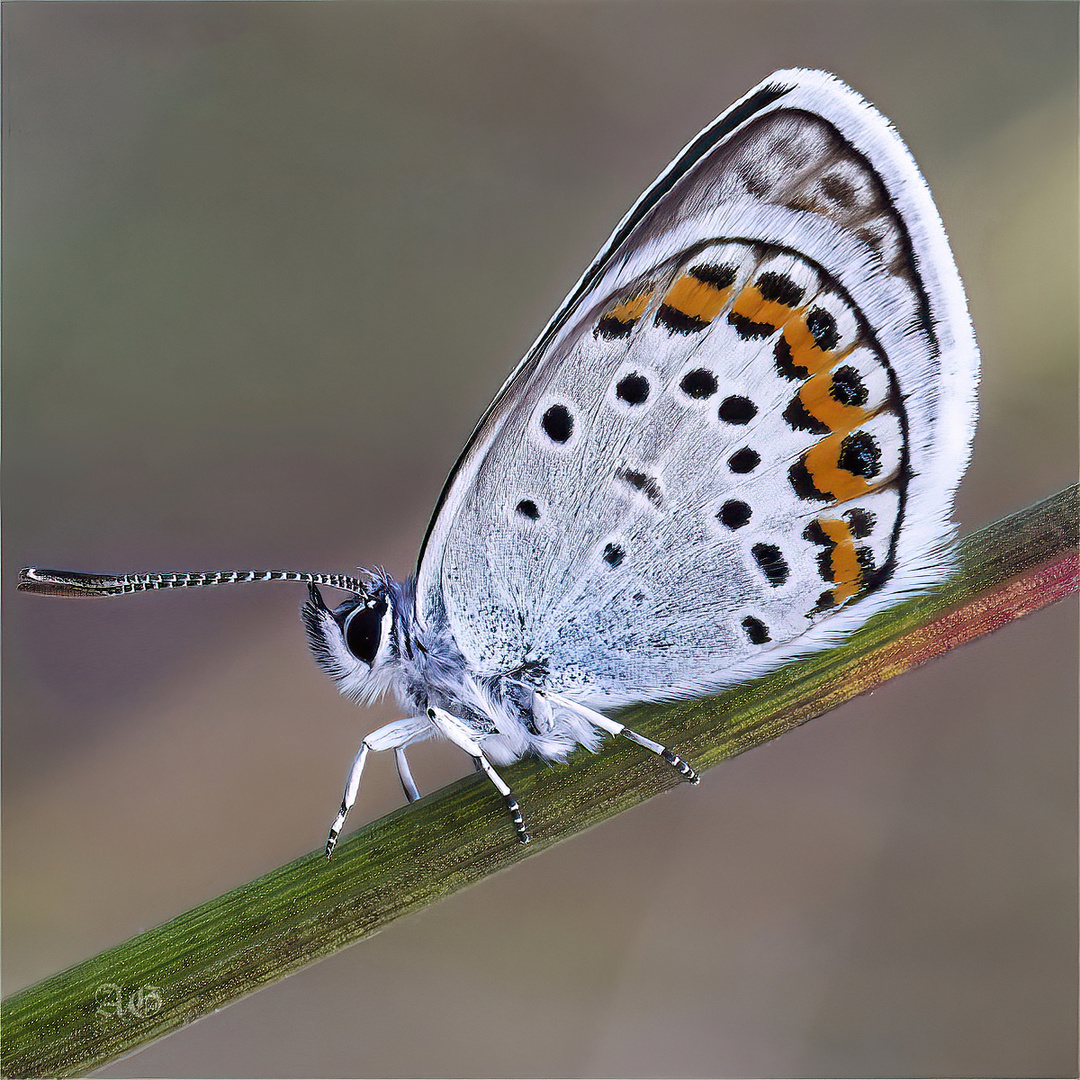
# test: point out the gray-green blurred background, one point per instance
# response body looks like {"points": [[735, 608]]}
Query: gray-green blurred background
{"points": [[265, 264]]}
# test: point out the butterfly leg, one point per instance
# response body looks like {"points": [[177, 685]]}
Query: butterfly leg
{"points": [[459, 734], [614, 728], [392, 736], [405, 774]]}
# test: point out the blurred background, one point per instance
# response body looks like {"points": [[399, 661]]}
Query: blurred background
{"points": [[265, 266]]}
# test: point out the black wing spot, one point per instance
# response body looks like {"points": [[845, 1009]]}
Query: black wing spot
{"points": [[772, 563], [860, 521], [611, 328], [737, 410], [678, 322], [749, 330], [785, 360], [719, 277], [734, 514], [756, 630], [698, 384], [867, 566], [527, 508], [803, 483], [799, 419], [558, 424], [633, 388], [744, 460], [649, 486], [613, 554], [778, 288]]}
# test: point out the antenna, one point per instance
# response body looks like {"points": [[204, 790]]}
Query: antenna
{"points": [[76, 583]]}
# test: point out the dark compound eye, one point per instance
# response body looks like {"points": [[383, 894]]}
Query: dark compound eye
{"points": [[698, 383], [737, 410], [557, 423], [633, 388], [527, 508], [363, 631]]}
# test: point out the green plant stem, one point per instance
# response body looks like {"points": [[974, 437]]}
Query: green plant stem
{"points": [[233, 945]]}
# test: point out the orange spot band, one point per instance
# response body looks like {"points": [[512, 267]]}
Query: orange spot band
{"points": [[629, 311], [845, 571], [697, 299], [822, 463], [750, 304], [817, 399]]}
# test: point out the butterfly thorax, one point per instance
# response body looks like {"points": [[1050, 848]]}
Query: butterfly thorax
{"points": [[373, 643]]}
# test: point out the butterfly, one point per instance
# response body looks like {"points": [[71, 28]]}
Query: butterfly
{"points": [[737, 439]]}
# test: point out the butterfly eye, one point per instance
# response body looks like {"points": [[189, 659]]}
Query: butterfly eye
{"points": [[363, 631]]}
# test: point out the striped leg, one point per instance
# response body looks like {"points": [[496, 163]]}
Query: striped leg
{"points": [[612, 728], [459, 735], [393, 736]]}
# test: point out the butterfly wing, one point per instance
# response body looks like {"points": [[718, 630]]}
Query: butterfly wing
{"points": [[741, 433]]}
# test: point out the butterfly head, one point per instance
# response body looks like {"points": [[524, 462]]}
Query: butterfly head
{"points": [[354, 642]]}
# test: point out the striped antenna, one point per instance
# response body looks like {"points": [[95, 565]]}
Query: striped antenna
{"points": [[76, 583]]}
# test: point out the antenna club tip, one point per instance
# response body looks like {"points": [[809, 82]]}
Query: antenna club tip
{"points": [[33, 579]]}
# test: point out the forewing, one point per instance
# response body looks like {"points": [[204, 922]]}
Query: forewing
{"points": [[741, 433]]}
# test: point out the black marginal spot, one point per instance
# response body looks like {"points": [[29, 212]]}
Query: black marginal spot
{"points": [[613, 554], [772, 563], [778, 288], [737, 410], [558, 424], [847, 387], [734, 514], [610, 327], [822, 327], [800, 419], [719, 277], [649, 486], [633, 388], [527, 508], [803, 483], [698, 384], [678, 322], [825, 601], [744, 460], [860, 521], [756, 630], [749, 330], [860, 455]]}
